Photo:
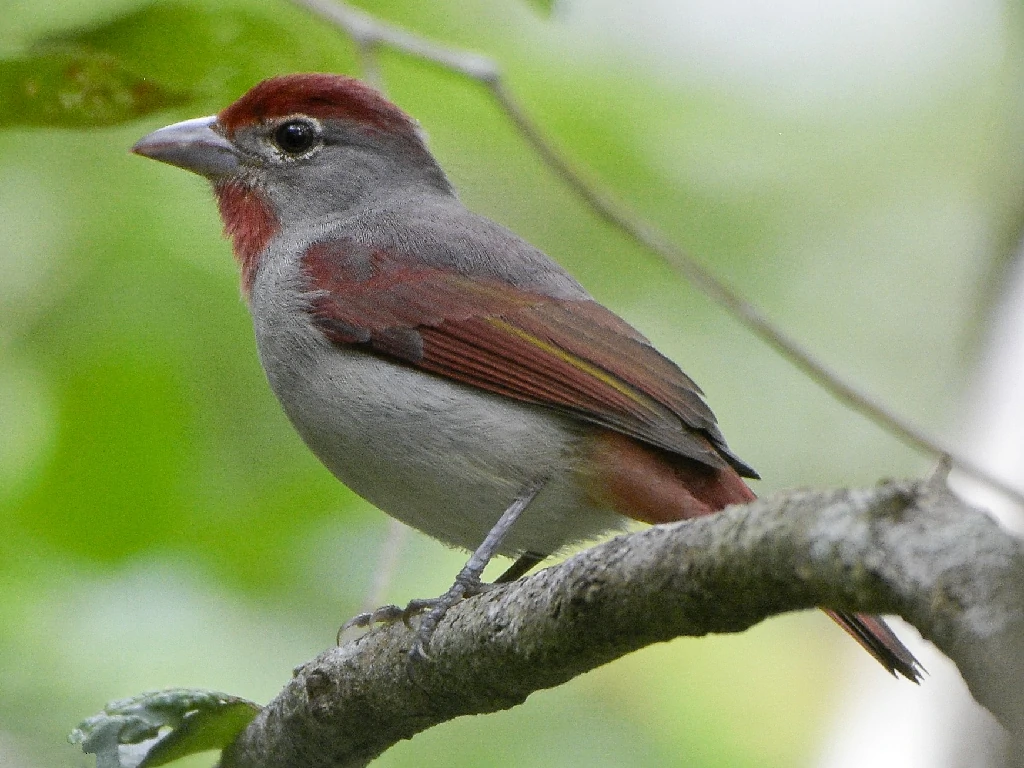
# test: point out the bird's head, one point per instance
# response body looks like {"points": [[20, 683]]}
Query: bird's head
{"points": [[296, 148]]}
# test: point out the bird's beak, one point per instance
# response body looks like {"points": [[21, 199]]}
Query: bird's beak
{"points": [[195, 145]]}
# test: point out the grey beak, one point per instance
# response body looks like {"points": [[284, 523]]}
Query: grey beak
{"points": [[194, 145]]}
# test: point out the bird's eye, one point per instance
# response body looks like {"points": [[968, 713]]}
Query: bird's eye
{"points": [[296, 136]]}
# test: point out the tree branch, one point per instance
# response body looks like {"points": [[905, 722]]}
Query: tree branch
{"points": [[907, 548]]}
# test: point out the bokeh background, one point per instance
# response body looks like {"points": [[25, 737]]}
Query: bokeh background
{"points": [[855, 168]]}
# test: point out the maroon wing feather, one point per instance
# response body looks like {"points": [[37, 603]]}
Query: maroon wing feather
{"points": [[575, 356]]}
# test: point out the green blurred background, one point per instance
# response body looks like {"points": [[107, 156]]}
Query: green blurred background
{"points": [[854, 168]]}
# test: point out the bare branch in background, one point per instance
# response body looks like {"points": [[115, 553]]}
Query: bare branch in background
{"points": [[369, 32], [387, 564]]}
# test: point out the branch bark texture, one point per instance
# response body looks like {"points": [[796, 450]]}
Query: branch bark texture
{"points": [[905, 548]]}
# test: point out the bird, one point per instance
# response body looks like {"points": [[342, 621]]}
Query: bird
{"points": [[435, 362]]}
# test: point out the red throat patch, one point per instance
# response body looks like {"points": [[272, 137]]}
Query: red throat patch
{"points": [[250, 223]]}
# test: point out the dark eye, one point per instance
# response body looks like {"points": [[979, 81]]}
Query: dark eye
{"points": [[295, 136]]}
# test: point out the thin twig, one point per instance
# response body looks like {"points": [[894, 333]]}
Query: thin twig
{"points": [[387, 564], [365, 29], [362, 27], [370, 64]]}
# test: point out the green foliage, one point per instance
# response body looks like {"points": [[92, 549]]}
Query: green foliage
{"points": [[161, 56], [182, 47], [544, 6], [76, 89], [173, 724], [163, 525]]}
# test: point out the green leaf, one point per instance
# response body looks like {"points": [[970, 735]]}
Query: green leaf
{"points": [[76, 88], [155, 728], [544, 6], [216, 53], [164, 55]]}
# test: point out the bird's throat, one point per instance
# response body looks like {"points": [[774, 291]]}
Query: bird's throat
{"points": [[249, 221]]}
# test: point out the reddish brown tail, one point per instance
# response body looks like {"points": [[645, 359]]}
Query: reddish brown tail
{"points": [[871, 632], [881, 642], [656, 487]]}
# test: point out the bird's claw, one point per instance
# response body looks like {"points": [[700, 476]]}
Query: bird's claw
{"points": [[386, 614], [437, 607], [434, 608]]}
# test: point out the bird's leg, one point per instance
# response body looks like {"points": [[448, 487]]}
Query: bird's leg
{"points": [[467, 583], [520, 567]]}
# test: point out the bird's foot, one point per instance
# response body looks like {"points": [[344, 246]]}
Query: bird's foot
{"points": [[386, 614], [434, 607], [467, 584]]}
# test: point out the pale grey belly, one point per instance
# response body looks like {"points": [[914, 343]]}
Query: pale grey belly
{"points": [[442, 457]]}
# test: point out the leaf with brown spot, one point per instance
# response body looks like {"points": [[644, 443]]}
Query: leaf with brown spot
{"points": [[75, 88]]}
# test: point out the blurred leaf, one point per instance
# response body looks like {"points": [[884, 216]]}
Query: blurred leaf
{"points": [[123, 414], [76, 89], [198, 721], [184, 46], [545, 6], [201, 731]]}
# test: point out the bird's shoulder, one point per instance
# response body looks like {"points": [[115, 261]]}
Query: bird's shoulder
{"points": [[436, 231]]}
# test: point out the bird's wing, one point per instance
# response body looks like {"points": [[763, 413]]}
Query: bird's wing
{"points": [[571, 355]]}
